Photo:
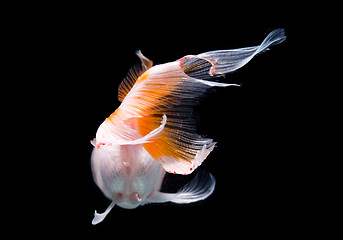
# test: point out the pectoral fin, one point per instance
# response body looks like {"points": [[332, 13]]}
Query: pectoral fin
{"points": [[99, 217]]}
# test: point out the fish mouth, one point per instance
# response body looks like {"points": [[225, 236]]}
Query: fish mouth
{"points": [[128, 205]]}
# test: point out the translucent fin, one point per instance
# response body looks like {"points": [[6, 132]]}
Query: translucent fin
{"points": [[169, 91], [99, 217], [172, 165], [153, 134], [173, 89], [148, 137], [199, 188], [196, 67], [132, 76], [226, 61]]}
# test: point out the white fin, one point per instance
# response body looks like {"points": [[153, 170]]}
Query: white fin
{"points": [[216, 84], [198, 189], [172, 165], [147, 138], [99, 217], [230, 60]]}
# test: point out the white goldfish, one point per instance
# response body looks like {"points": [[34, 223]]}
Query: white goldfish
{"points": [[153, 132]]}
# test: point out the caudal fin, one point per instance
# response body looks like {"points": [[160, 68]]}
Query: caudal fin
{"points": [[209, 64], [172, 90]]}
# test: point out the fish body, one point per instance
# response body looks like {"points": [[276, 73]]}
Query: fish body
{"points": [[153, 132]]}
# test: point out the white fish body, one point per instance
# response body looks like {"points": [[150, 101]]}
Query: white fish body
{"points": [[153, 132]]}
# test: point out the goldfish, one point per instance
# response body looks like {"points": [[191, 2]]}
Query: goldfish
{"points": [[153, 131]]}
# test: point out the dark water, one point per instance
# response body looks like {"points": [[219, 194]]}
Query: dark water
{"points": [[252, 165]]}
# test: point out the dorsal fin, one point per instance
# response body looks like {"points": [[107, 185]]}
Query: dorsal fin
{"points": [[132, 76]]}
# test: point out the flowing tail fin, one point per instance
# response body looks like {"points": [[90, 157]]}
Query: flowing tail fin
{"points": [[163, 97], [209, 64], [199, 188]]}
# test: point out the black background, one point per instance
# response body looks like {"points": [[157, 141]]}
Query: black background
{"points": [[85, 51]]}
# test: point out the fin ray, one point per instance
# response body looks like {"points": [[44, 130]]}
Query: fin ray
{"points": [[199, 188], [133, 74], [233, 59], [169, 91], [173, 89]]}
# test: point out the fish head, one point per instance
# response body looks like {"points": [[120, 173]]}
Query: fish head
{"points": [[127, 175]]}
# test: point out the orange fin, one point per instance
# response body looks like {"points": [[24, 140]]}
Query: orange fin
{"points": [[134, 73], [167, 90], [173, 89]]}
